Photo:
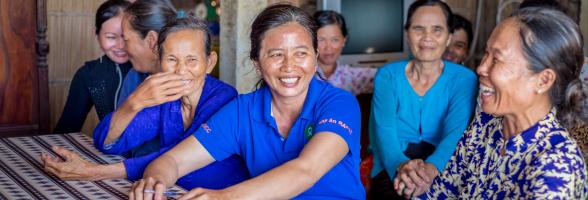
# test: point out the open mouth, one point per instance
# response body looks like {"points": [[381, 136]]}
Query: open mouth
{"points": [[486, 91], [289, 81], [120, 53]]}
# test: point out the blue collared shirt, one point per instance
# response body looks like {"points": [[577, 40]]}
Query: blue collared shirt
{"points": [[164, 122], [247, 128]]}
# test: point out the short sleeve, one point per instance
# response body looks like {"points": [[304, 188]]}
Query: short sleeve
{"points": [[339, 113], [219, 134]]}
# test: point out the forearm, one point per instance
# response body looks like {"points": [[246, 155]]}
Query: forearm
{"points": [[284, 182], [121, 118], [111, 171], [164, 169]]}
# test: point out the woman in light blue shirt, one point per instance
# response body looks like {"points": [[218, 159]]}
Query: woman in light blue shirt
{"points": [[420, 107]]}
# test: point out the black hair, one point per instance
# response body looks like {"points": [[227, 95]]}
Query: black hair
{"points": [[460, 22], [274, 16], [185, 23], [107, 10], [420, 3], [541, 3], [150, 15], [329, 17], [552, 40]]}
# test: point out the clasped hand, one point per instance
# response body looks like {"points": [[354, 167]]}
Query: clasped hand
{"points": [[414, 177]]}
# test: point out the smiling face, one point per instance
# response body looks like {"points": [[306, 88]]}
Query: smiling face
{"points": [[111, 40], [330, 44], [184, 54], [428, 34], [141, 50], [457, 51], [287, 60], [507, 85]]}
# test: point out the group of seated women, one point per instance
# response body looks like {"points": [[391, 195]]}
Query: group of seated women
{"points": [[436, 129]]}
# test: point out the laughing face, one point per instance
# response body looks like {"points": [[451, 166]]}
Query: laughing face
{"points": [[287, 60], [184, 54], [111, 40], [507, 85], [428, 34]]}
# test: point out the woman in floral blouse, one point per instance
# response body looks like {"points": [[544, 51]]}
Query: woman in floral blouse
{"points": [[518, 146], [332, 35]]}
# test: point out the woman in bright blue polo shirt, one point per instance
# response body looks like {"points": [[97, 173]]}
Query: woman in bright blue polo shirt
{"points": [[184, 49], [299, 136], [420, 107]]}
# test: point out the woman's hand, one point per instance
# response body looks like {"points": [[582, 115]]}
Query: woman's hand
{"points": [[72, 168], [414, 177], [205, 194], [157, 89], [147, 188]]}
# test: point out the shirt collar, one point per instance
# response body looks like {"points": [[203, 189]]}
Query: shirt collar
{"points": [[535, 133], [264, 95]]}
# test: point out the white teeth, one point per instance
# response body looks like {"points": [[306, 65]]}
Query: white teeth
{"points": [[289, 80], [485, 90]]}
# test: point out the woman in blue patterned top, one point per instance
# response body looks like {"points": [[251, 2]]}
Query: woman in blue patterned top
{"points": [[420, 107], [517, 146]]}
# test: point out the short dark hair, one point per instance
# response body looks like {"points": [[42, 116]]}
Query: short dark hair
{"points": [[107, 10], [328, 17], [552, 40], [149, 15], [185, 23], [460, 22], [420, 3], [274, 16]]}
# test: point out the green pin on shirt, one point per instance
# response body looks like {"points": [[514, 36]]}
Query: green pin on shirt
{"points": [[308, 131]]}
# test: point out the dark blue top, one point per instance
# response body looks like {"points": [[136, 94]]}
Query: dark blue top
{"points": [[165, 121], [246, 127]]}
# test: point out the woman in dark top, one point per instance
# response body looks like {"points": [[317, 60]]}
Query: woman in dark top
{"points": [[98, 82]]}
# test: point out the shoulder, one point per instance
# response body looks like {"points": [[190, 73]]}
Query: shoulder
{"points": [[329, 96], [217, 86], [391, 70]]}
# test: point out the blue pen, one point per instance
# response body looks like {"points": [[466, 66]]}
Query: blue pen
{"points": [[166, 193]]}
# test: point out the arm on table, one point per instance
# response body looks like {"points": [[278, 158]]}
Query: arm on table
{"points": [[76, 168]]}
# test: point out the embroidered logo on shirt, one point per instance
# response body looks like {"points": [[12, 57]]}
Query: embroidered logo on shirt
{"points": [[337, 122], [308, 132], [206, 128]]}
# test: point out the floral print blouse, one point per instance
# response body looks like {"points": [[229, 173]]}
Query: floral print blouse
{"points": [[357, 80], [542, 162]]}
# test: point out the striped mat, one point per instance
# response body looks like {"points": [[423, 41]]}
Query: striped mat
{"points": [[22, 175]]}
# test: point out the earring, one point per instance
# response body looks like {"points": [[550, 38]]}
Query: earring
{"points": [[539, 91]]}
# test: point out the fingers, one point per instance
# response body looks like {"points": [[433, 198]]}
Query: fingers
{"points": [[418, 180], [159, 189], [407, 180], [149, 186], [137, 190], [64, 152]]}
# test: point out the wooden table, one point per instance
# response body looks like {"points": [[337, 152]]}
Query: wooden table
{"points": [[22, 175]]}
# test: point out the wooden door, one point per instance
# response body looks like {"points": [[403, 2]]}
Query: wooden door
{"points": [[23, 68]]}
